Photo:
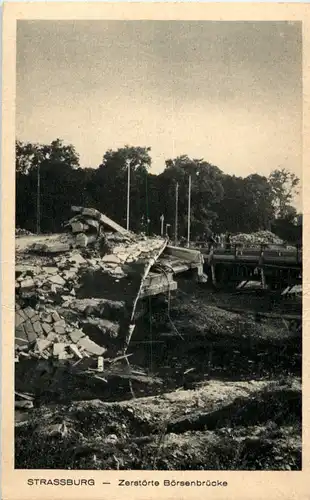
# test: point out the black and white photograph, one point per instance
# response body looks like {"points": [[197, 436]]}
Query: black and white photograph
{"points": [[158, 245]]}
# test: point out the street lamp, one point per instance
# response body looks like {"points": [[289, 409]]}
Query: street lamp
{"points": [[128, 192], [176, 213], [189, 207], [162, 218], [38, 200]]}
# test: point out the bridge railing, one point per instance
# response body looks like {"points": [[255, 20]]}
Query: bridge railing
{"points": [[237, 250]]}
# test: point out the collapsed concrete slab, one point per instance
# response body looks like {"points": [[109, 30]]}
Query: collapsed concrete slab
{"points": [[77, 300]]}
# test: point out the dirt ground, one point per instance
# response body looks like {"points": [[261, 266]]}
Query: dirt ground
{"points": [[225, 393]]}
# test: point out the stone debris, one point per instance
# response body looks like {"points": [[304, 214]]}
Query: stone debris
{"points": [[258, 238], [22, 232], [64, 260], [50, 321], [77, 293]]}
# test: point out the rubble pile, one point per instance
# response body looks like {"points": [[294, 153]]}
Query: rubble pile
{"points": [[76, 293], [258, 238], [22, 232], [89, 223], [47, 334]]}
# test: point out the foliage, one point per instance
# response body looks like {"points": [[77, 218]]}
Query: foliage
{"points": [[219, 202], [284, 186]]}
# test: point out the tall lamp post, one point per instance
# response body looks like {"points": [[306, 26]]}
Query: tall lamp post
{"points": [[128, 192], [38, 200], [162, 218], [176, 214], [189, 208]]}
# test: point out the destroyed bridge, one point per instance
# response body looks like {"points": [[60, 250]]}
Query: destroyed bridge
{"points": [[79, 294]]}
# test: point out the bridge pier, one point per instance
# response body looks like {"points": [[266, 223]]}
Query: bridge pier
{"points": [[213, 275], [263, 278]]}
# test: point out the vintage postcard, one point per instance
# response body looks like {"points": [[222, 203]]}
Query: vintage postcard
{"points": [[154, 229]]}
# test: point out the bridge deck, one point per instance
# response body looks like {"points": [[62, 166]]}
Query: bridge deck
{"points": [[276, 258]]}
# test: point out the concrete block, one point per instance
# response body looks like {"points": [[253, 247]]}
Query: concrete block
{"points": [[50, 270], [42, 344], [51, 248], [48, 318], [27, 283], [123, 256], [81, 240], [37, 328], [77, 259], [75, 351], [93, 223], [60, 330], [186, 254], [58, 348], [22, 314], [92, 262], [64, 355], [77, 227], [91, 347], [18, 320], [69, 274], [53, 337], [21, 332], [46, 328], [57, 280], [113, 225], [29, 312], [30, 331], [109, 327], [55, 316], [76, 335], [60, 322], [92, 212]]}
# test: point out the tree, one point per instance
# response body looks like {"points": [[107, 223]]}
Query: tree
{"points": [[260, 208], [110, 183], [138, 157], [56, 164], [284, 186], [29, 155], [246, 205], [206, 190]]}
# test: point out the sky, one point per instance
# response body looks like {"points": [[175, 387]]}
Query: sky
{"points": [[228, 92]]}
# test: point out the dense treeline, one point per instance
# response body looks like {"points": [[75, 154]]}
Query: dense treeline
{"points": [[220, 202]]}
